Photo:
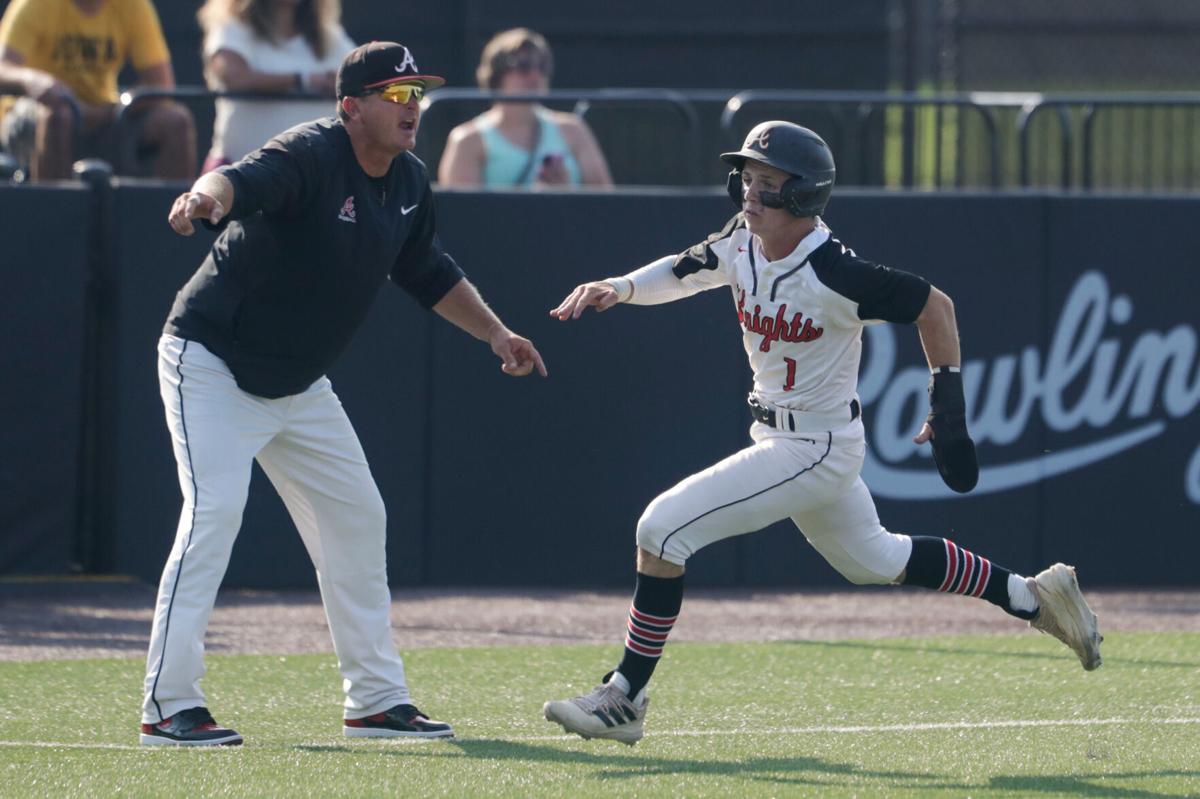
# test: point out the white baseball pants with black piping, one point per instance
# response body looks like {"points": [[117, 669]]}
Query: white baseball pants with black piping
{"points": [[307, 447], [811, 478]]}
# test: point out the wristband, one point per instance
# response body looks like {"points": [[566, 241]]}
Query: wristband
{"points": [[946, 390], [622, 285]]}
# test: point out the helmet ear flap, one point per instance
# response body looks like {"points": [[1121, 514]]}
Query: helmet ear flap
{"points": [[733, 185], [802, 200], [793, 196]]}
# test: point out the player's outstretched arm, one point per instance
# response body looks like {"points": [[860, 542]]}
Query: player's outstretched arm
{"points": [[601, 294], [210, 197], [653, 284], [463, 307]]}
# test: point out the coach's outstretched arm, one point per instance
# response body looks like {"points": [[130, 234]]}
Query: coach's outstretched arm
{"points": [[463, 307], [210, 197]]}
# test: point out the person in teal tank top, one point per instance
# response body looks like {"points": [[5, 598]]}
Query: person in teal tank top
{"points": [[506, 164], [521, 144]]}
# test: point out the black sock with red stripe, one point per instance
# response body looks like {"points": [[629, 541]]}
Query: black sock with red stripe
{"points": [[943, 565], [656, 604]]}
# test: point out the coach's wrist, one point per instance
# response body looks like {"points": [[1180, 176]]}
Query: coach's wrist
{"points": [[496, 331], [215, 185]]}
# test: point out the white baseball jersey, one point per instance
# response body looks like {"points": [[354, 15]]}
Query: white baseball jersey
{"points": [[802, 320], [801, 316]]}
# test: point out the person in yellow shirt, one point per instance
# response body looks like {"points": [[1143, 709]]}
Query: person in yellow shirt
{"points": [[64, 56]]}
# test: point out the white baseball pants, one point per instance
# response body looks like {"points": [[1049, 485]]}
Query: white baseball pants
{"points": [[812, 478], [306, 446]]}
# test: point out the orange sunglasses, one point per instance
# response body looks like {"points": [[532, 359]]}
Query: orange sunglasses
{"points": [[401, 93]]}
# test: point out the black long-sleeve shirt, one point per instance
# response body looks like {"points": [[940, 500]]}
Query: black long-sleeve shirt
{"points": [[306, 246]]}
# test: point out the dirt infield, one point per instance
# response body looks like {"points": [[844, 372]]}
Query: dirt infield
{"points": [[46, 620]]}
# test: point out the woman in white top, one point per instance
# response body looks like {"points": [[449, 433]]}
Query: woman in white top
{"points": [[274, 46], [521, 144]]}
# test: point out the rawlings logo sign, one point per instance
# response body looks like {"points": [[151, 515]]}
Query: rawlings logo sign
{"points": [[1087, 380]]}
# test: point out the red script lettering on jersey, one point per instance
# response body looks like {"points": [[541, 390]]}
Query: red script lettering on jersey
{"points": [[775, 328]]}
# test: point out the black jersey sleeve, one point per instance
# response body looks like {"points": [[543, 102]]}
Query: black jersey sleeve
{"points": [[880, 292], [278, 178], [423, 268], [700, 256]]}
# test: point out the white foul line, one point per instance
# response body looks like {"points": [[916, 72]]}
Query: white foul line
{"points": [[823, 730], [874, 728]]}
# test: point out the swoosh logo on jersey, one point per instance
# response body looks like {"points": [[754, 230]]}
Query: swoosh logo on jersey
{"points": [[406, 211]]}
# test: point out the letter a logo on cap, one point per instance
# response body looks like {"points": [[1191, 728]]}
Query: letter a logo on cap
{"points": [[407, 62], [762, 140]]}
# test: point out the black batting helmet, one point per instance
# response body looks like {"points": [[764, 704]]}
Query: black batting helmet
{"points": [[796, 150]]}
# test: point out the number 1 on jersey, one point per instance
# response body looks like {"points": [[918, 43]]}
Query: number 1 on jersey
{"points": [[791, 374]]}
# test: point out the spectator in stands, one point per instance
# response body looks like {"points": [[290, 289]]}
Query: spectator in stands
{"points": [[64, 57], [521, 143], [275, 46]]}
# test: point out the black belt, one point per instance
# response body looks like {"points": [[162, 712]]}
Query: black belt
{"points": [[767, 416]]}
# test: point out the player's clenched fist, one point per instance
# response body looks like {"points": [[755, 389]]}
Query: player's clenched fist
{"points": [[601, 294]]}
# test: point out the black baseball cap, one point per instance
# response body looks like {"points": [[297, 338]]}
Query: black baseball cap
{"points": [[377, 64]]}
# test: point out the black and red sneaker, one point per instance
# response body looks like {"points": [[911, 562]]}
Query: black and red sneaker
{"points": [[192, 727], [401, 721]]}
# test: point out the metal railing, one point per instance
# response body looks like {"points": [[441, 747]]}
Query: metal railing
{"points": [[853, 115], [130, 98], [904, 140], [584, 103], [1142, 141], [128, 101]]}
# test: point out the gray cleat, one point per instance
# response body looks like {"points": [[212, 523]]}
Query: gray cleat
{"points": [[604, 713], [1065, 614]]}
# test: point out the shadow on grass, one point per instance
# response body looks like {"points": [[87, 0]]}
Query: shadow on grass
{"points": [[1085, 785], [620, 766], [617, 766], [991, 653]]}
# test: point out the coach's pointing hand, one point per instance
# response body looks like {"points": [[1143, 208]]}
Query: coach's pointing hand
{"points": [[601, 294], [518, 353]]}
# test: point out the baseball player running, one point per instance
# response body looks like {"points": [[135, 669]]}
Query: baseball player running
{"points": [[802, 298], [314, 222]]}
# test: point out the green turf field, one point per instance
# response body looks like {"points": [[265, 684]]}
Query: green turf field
{"points": [[1010, 716]]}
